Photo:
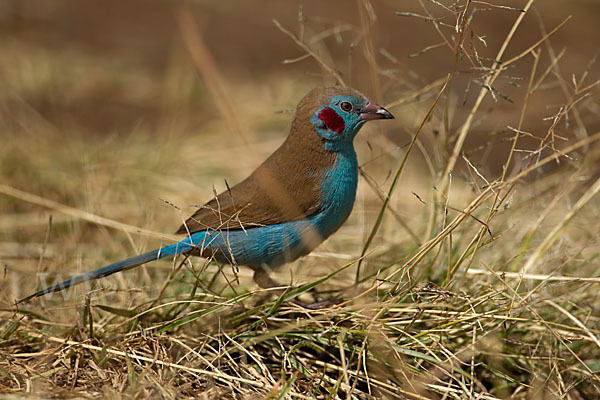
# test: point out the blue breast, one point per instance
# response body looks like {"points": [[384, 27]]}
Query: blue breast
{"points": [[275, 245]]}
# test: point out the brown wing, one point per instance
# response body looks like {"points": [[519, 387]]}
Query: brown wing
{"points": [[286, 187], [248, 205]]}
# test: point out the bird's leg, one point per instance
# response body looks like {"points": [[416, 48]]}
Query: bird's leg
{"points": [[263, 280]]}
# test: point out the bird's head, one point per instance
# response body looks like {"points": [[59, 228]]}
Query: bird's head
{"points": [[337, 113]]}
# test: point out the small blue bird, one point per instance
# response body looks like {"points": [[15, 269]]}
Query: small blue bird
{"points": [[293, 201]]}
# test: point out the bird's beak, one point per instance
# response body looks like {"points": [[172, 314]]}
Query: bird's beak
{"points": [[373, 111]]}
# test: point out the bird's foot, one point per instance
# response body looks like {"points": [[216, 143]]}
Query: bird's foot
{"points": [[263, 280], [319, 305]]}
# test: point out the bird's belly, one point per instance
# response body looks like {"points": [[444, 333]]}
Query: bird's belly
{"points": [[271, 245], [274, 245]]}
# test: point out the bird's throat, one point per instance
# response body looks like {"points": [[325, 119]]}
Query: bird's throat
{"points": [[338, 192]]}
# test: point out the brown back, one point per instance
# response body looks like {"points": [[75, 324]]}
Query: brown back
{"points": [[286, 186]]}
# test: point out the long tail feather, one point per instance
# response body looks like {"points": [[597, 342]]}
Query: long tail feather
{"points": [[172, 250]]}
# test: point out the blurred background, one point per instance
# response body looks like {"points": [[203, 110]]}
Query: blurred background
{"points": [[138, 110], [114, 106], [117, 67]]}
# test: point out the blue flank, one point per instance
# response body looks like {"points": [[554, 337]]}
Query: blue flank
{"points": [[271, 245], [278, 244]]}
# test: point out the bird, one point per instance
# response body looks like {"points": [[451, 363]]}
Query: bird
{"points": [[300, 195]]}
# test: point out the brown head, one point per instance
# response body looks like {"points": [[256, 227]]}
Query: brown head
{"points": [[287, 186], [336, 114]]}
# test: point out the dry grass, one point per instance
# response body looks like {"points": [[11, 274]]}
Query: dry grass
{"points": [[474, 284]]}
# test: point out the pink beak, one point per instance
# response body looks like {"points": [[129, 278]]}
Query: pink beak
{"points": [[373, 111]]}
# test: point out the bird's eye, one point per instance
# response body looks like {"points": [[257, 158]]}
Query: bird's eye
{"points": [[346, 106]]}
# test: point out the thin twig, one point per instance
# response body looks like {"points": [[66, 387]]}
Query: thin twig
{"points": [[308, 50]]}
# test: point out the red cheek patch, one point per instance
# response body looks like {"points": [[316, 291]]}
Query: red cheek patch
{"points": [[332, 120]]}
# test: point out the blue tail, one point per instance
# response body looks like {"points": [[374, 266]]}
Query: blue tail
{"points": [[172, 250]]}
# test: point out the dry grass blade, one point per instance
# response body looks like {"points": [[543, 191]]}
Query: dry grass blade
{"points": [[210, 72], [554, 234], [538, 277], [577, 322], [80, 214], [219, 376], [393, 184]]}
